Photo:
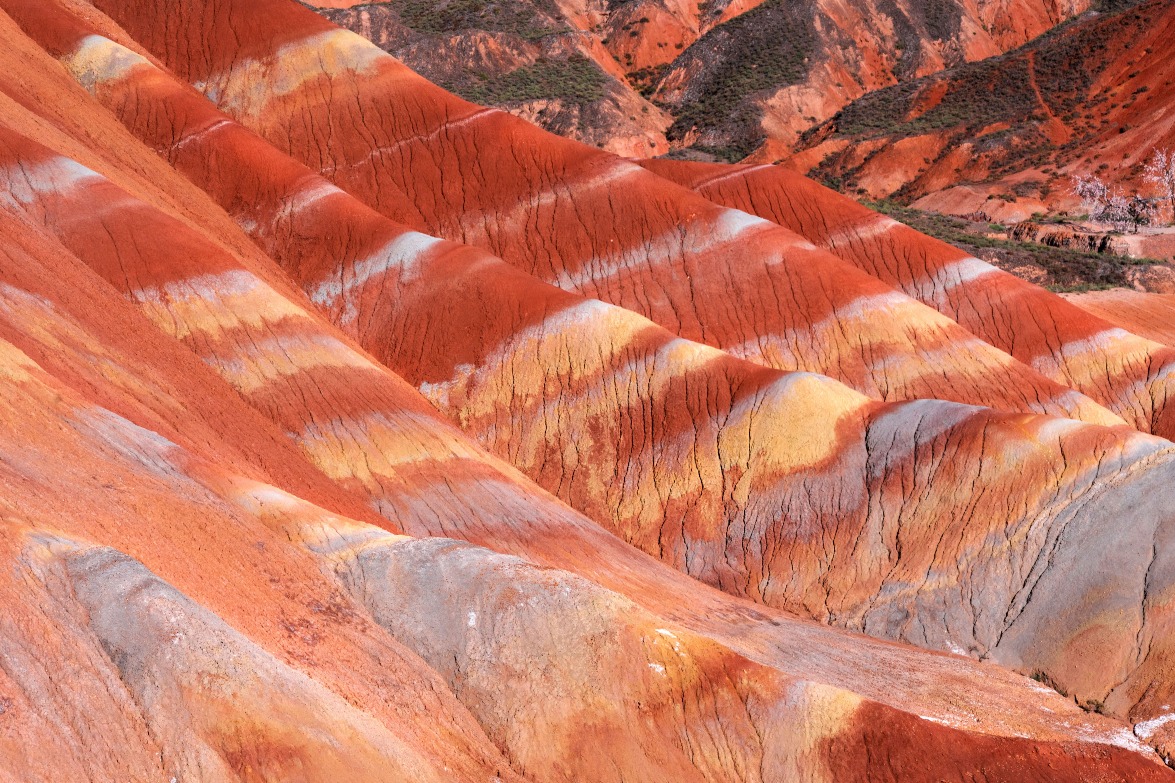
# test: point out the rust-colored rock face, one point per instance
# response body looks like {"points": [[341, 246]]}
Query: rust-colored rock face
{"points": [[1151, 315], [543, 60], [1092, 97], [1129, 375], [730, 78], [355, 432]]}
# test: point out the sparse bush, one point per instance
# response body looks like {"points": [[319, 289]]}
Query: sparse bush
{"points": [[764, 49], [455, 15], [576, 80]]}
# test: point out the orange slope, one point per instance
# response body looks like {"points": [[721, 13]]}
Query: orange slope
{"points": [[685, 683], [236, 651], [807, 577], [1007, 135], [1146, 314], [578, 218], [1129, 374]]}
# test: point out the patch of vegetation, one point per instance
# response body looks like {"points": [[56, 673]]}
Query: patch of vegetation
{"points": [[1064, 64], [1112, 6], [645, 80], [725, 154], [995, 105], [977, 95], [1093, 705], [1066, 270], [765, 49], [691, 154], [943, 19], [500, 16], [939, 20], [708, 9], [576, 80], [1056, 220]]}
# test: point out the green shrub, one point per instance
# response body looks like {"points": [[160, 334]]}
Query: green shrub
{"points": [[500, 16], [576, 80], [763, 50], [1068, 270]]}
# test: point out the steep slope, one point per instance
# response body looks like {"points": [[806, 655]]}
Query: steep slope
{"points": [[757, 82], [1076, 498], [727, 77], [179, 655], [539, 60], [260, 636], [626, 237], [1126, 373], [1088, 97], [1147, 314]]}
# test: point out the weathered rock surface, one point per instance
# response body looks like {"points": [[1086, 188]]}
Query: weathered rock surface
{"points": [[726, 77], [1090, 97], [1124, 372], [1149, 314], [295, 491]]}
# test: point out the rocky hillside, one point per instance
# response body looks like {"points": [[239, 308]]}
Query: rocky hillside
{"points": [[542, 61], [726, 78], [1006, 136], [357, 432], [755, 83]]}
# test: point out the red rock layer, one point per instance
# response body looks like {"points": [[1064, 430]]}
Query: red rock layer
{"points": [[737, 74], [664, 505], [586, 221], [232, 630], [1130, 375], [1147, 314], [1090, 97]]}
